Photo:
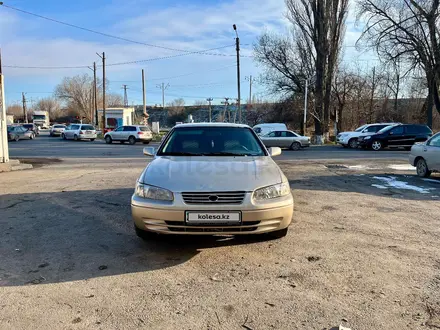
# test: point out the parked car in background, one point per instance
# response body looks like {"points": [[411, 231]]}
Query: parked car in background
{"points": [[425, 156], [57, 129], [79, 132], [350, 139], [32, 127], [400, 135], [130, 134], [263, 129], [16, 133], [285, 139], [212, 179]]}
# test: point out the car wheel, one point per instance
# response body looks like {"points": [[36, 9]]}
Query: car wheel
{"points": [[376, 145], [63, 137], [422, 168], [145, 235], [132, 140], [295, 146], [279, 233], [353, 143], [75, 137], [345, 146], [146, 142], [16, 138], [108, 139], [92, 140], [31, 137]]}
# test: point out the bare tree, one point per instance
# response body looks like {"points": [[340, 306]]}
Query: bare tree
{"points": [[317, 34], [15, 109], [113, 100], [406, 30], [51, 105], [176, 107]]}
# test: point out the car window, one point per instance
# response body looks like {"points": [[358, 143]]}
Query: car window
{"points": [[435, 141], [129, 129], [74, 127], [144, 129], [359, 129], [286, 134], [119, 129], [271, 134], [413, 129], [88, 127], [59, 126], [257, 130], [397, 130], [212, 141]]}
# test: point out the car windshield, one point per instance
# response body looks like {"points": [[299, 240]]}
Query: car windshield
{"points": [[59, 126], [144, 128], [385, 129], [360, 128], [212, 141], [28, 126], [39, 117], [87, 127], [10, 128]]}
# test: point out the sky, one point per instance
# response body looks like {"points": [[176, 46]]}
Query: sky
{"points": [[183, 26]]}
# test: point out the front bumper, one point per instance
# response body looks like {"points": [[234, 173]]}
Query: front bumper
{"points": [[169, 217], [53, 133], [364, 143]]}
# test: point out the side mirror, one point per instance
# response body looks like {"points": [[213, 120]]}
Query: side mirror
{"points": [[274, 151], [149, 151]]}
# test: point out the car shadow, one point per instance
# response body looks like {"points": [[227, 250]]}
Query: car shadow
{"points": [[64, 236], [382, 184]]}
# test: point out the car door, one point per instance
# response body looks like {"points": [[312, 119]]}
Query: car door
{"points": [[432, 153], [396, 137], [285, 140], [128, 131], [269, 140], [117, 133]]}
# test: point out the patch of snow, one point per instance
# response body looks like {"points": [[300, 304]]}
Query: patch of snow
{"points": [[379, 186], [432, 180], [402, 167], [394, 183]]}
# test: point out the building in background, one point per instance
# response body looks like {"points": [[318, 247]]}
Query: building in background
{"points": [[115, 117]]}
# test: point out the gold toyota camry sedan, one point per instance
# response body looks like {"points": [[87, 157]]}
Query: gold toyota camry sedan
{"points": [[212, 179]]}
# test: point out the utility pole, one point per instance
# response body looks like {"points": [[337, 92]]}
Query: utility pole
{"points": [[4, 149], [144, 98], [305, 107], [373, 87], [163, 88], [125, 96], [23, 99], [237, 48], [210, 99], [226, 103], [251, 80], [95, 95], [103, 91]]}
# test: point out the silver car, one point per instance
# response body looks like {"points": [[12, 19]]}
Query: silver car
{"points": [[285, 139], [212, 179], [130, 134], [79, 132], [57, 129], [425, 156]]}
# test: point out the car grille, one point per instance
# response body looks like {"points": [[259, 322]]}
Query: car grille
{"points": [[176, 226], [225, 197]]}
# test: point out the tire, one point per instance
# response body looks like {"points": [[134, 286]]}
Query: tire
{"points": [[31, 137], [92, 140], [295, 146], [75, 138], [146, 142], [132, 140], [345, 146], [376, 145], [51, 135], [63, 137], [145, 235], [353, 143], [422, 168], [279, 233], [108, 139], [16, 138]]}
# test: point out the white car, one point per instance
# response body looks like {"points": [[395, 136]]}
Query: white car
{"points": [[130, 134], [79, 132], [212, 179], [263, 129], [425, 156], [350, 139], [57, 129]]}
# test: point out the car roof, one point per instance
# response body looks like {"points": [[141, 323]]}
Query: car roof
{"points": [[211, 125]]}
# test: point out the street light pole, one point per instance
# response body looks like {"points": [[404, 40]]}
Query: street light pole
{"points": [[305, 107], [103, 91], [210, 112], [4, 149], [237, 48]]}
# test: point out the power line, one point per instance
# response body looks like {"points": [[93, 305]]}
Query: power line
{"points": [[111, 64], [101, 33]]}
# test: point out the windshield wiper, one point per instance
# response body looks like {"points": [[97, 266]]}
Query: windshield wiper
{"points": [[224, 154]]}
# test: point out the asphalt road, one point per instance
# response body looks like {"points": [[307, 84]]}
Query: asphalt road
{"points": [[55, 147]]}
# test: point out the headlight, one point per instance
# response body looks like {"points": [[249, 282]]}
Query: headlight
{"points": [[367, 137], [275, 191], [151, 192]]}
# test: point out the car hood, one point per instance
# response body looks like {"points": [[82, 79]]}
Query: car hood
{"points": [[207, 173], [357, 133]]}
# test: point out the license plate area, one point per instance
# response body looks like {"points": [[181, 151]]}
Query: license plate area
{"points": [[213, 218]]}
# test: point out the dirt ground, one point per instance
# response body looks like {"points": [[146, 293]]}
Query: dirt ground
{"points": [[356, 255]]}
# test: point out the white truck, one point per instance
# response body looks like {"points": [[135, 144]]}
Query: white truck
{"points": [[263, 129], [41, 119]]}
